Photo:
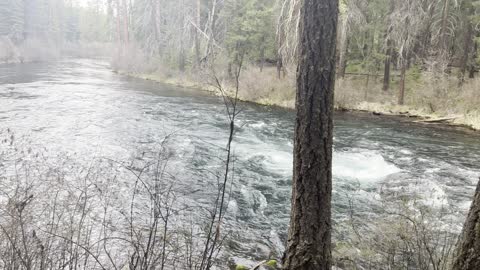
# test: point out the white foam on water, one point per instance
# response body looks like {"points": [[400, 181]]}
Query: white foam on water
{"points": [[276, 241], [364, 166], [255, 199], [361, 165], [257, 125]]}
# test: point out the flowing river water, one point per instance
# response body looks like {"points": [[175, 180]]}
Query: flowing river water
{"points": [[81, 106]]}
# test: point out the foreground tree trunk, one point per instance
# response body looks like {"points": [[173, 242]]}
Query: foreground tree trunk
{"points": [[309, 238], [468, 249]]}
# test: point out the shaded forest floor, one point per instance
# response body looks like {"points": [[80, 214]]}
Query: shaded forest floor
{"points": [[429, 98]]}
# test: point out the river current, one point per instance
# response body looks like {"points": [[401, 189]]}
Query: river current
{"points": [[81, 106]]}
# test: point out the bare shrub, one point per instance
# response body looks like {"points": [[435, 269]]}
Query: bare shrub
{"points": [[407, 233]]}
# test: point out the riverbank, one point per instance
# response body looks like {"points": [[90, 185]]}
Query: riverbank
{"points": [[352, 95]]}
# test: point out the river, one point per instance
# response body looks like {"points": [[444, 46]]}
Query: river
{"points": [[82, 107]]}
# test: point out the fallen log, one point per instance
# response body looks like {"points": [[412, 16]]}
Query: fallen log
{"points": [[437, 120]]}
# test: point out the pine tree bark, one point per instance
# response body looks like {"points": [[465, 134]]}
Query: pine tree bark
{"points": [[343, 48], [443, 30], [389, 50], [309, 239], [125, 23], [468, 249], [471, 73], [280, 66], [401, 90], [466, 51], [386, 70], [196, 36], [262, 53]]}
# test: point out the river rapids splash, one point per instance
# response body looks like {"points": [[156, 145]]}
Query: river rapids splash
{"points": [[82, 107]]}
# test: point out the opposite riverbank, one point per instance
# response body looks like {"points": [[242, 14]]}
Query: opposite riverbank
{"points": [[430, 105]]}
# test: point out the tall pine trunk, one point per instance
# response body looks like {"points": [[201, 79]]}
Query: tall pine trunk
{"points": [[343, 48], [389, 50], [309, 238], [125, 23], [401, 90], [466, 51], [262, 53], [443, 30], [471, 72], [280, 66], [386, 71], [468, 249], [196, 35]]}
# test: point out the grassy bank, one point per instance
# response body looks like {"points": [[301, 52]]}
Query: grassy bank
{"points": [[428, 99]]}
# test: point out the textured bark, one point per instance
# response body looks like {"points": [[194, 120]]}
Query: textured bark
{"points": [[468, 40], [471, 73], [443, 30], [401, 89], [279, 66], [468, 249], [343, 48], [126, 37], [309, 239], [197, 39], [389, 50], [262, 53], [386, 70]]}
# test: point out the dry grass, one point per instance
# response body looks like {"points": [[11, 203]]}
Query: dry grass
{"points": [[428, 96], [265, 88]]}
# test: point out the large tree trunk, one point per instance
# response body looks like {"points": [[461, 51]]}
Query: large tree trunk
{"points": [[262, 53], [466, 51], [389, 50], [196, 35], [343, 48], [468, 249], [120, 39], [386, 71], [280, 67], [471, 73], [443, 30], [181, 55], [125, 23], [309, 238], [212, 29], [401, 91]]}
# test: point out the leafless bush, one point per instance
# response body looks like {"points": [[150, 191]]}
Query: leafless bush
{"points": [[407, 233], [56, 213]]}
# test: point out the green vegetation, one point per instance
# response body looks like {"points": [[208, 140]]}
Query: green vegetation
{"points": [[272, 263]]}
